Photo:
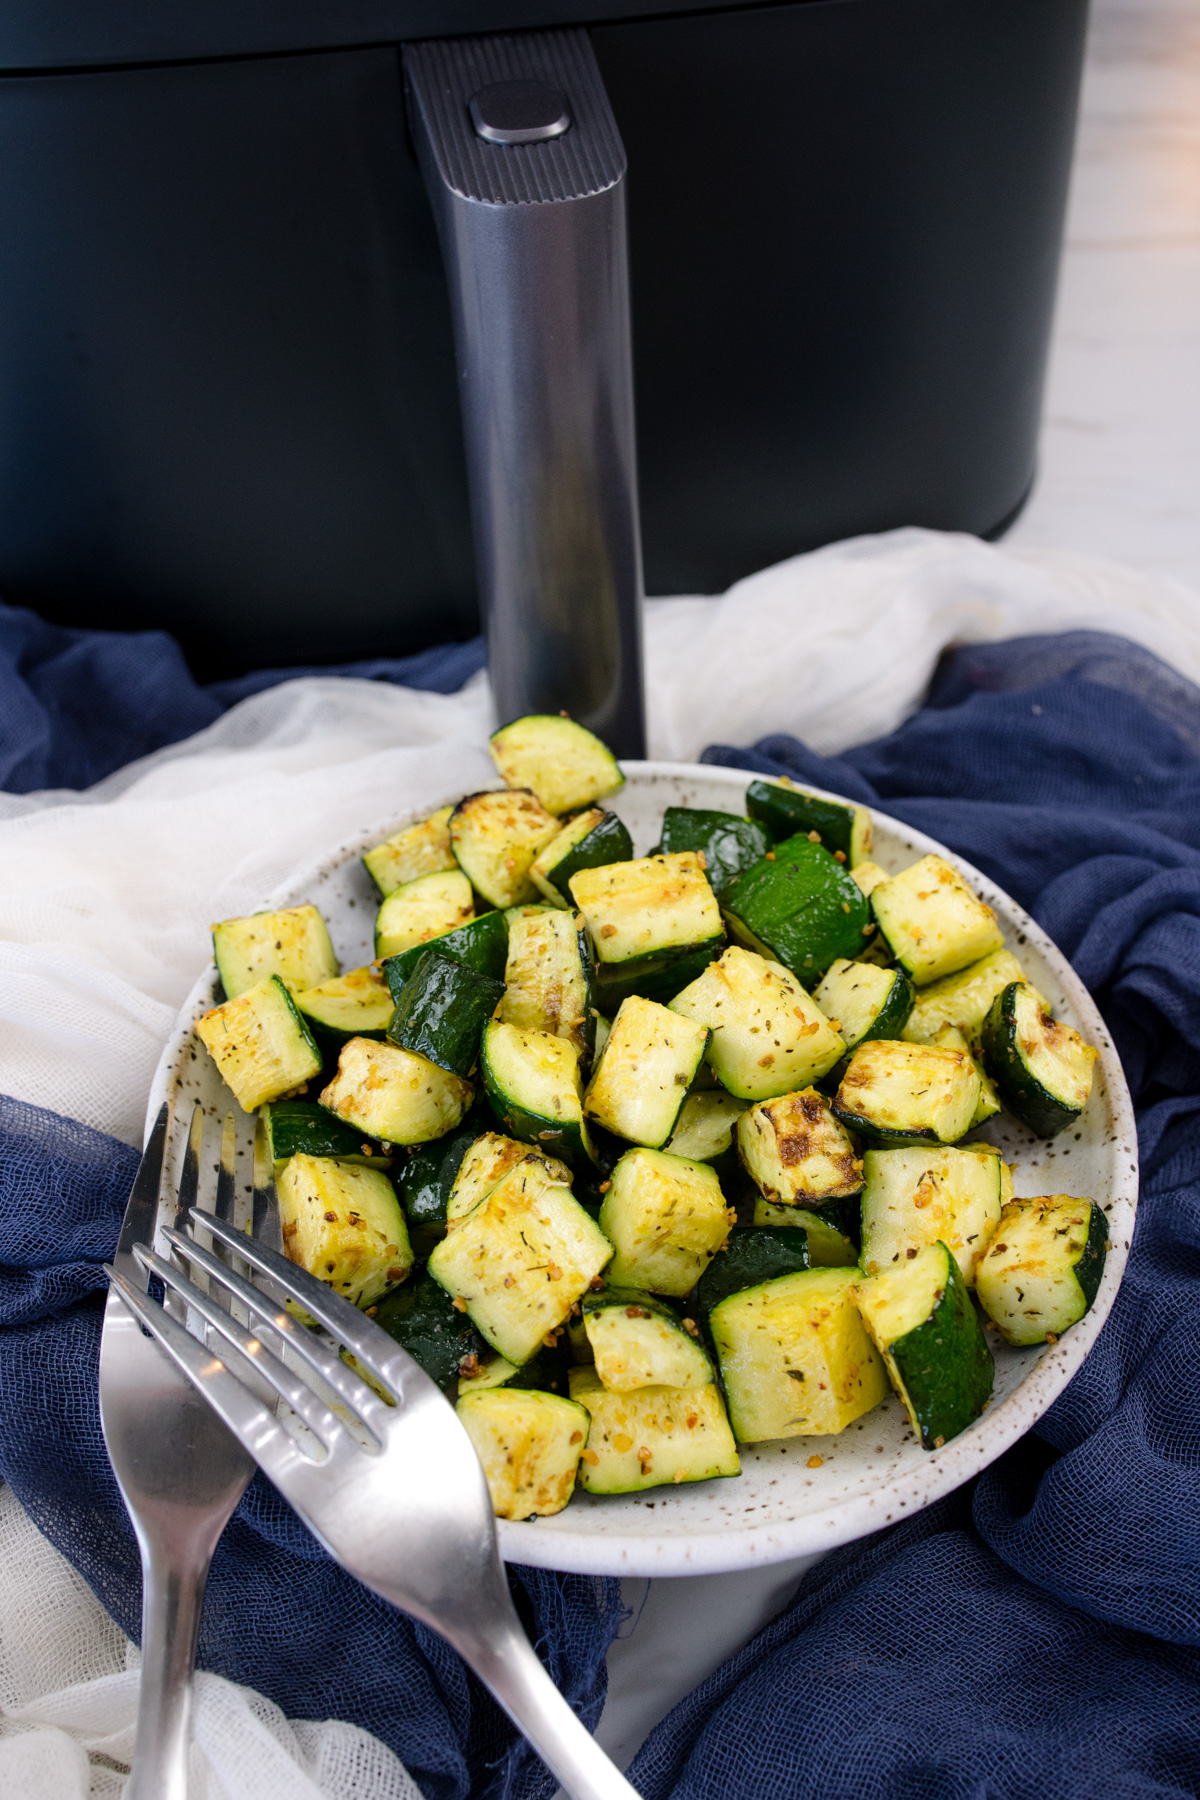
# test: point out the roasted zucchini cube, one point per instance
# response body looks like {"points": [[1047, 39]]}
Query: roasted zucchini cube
{"points": [[587, 841], [639, 1082], [654, 1437], [529, 1444], [496, 839], [422, 849], [423, 1319], [481, 943], [1042, 1267], [421, 910], [301, 1126], [564, 763], [442, 1011], [828, 1245], [799, 906], [534, 1088], [1042, 1067], [932, 921], [521, 1259], [796, 1151], [293, 944], [897, 1093], [705, 1127], [768, 1036], [863, 1001], [261, 1045], [488, 1160], [343, 1224], [921, 1320], [727, 844], [752, 1255], [867, 876], [963, 1000], [358, 1004], [951, 1038], [548, 976], [639, 1341], [795, 1357], [638, 911], [786, 811], [391, 1094], [916, 1197], [666, 1219]]}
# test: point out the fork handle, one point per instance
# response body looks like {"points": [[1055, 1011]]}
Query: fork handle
{"points": [[172, 1593], [508, 1665]]}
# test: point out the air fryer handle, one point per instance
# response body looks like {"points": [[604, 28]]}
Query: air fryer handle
{"points": [[533, 237]]}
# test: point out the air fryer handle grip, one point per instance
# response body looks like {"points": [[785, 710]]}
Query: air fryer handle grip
{"points": [[533, 237]]}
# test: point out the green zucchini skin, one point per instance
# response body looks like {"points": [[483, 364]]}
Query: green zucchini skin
{"points": [[802, 909], [423, 1319], [729, 843], [442, 1011], [785, 812], [481, 944], [753, 1254], [657, 978], [1034, 1105], [426, 1175], [547, 1370], [1089, 1270], [945, 1365], [568, 1139], [302, 1128], [607, 842]]}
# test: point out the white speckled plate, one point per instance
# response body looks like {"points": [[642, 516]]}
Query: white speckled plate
{"points": [[782, 1505]]}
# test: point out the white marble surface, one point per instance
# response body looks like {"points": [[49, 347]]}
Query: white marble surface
{"points": [[1119, 477]]}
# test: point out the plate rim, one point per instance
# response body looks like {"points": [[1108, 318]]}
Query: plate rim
{"points": [[730, 1546]]}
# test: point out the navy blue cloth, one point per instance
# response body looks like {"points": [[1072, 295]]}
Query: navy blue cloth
{"points": [[1037, 1632]]}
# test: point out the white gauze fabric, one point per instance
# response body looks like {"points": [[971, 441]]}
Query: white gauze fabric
{"points": [[106, 898]]}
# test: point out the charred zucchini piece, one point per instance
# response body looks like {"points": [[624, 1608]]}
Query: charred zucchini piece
{"points": [[1042, 1067], [767, 1036], [865, 1000], [423, 1319], [487, 1161], [950, 1038], [442, 1011], [705, 1127], [645, 913], [533, 1085], [589, 841], [800, 907], [521, 1259], [933, 923], [481, 943], [1042, 1268], [795, 1357], [918, 1197], [496, 839], [422, 849], [358, 1004], [787, 811], [293, 944], [391, 1094], [897, 1093], [666, 1219], [921, 1320], [548, 976], [638, 1084], [655, 1437], [829, 1247], [963, 1000], [301, 1127], [344, 1225], [562, 762], [752, 1255], [261, 1045], [423, 909], [529, 1444], [425, 1177], [638, 1341], [796, 1151], [727, 843]]}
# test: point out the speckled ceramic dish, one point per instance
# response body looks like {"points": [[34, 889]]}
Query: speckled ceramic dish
{"points": [[802, 1495]]}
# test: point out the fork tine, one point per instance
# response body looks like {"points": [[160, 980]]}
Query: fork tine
{"points": [[379, 1353], [249, 1421], [227, 1173], [348, 1387], [189, 1175], [316, 1415], [265, 1225]]}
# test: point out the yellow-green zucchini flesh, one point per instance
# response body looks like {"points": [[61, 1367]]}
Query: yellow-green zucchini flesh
{"points": [[637, 912], [705, 1126], [655, 1437], [639, 1341], [496, 838], [357, 1004], [534, 1088], [529, 1444], [916, 1197], [921, 1320], [260, 1043], [391, 1094], [796, 1151], [421, 910], [562, 762], [666, 1219], [933, 923], [646, 1067], [963, 1000], [343, 1224], [1042, 1268], [1041, 1065], [293, 944], [548, 976], [767, 1035], [898, 1093], [421, 849]]}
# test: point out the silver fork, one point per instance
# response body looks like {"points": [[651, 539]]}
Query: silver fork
{"points": [[396, 1492], [180, 1470]]}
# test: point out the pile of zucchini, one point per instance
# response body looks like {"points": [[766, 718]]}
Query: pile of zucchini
{"points": [[646, 1157]]}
